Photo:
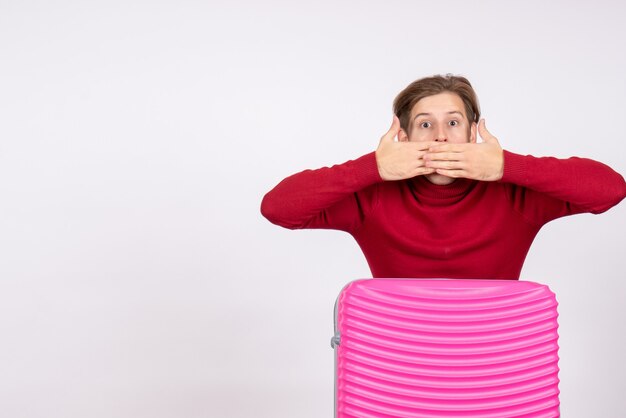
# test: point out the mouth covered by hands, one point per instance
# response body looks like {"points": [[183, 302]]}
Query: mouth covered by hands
{"points": [[477, 161]]}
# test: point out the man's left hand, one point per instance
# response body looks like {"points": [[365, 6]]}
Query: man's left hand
{"points": [[484, 161]]}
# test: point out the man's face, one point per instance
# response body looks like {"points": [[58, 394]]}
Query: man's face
{"points": [[440, 118]]}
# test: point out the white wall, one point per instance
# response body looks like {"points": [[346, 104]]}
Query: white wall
{"points": [[137, 276]]}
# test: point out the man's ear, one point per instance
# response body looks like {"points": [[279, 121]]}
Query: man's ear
{"points": [[473, 129], [402, 136]]}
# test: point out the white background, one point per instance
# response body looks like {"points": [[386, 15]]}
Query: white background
{"points": [[137, 139]]}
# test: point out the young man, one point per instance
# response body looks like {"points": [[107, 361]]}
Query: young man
{"points": [[436, 203]]}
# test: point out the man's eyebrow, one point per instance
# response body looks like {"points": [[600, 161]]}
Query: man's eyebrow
{"points": [[420, 114], [428, 114]]}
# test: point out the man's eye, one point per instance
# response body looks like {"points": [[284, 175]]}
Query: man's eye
{"points": [[453, 123], [425, 124]]}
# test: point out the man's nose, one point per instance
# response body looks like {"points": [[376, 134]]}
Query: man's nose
{"points": [[441, 136]]}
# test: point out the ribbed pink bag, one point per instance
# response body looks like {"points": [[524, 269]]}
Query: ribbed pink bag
{"points": [[411, 348]]}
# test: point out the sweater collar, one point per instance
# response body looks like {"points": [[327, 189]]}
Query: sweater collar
{"points": [[453, 191]]}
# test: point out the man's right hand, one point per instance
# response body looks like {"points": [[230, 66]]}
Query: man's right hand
{"points": [[402, 159]]}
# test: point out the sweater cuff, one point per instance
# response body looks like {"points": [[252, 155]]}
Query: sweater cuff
{"points": [[515, 168]]}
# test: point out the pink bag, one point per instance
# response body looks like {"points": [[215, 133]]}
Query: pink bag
{"points": [[446, 348]]}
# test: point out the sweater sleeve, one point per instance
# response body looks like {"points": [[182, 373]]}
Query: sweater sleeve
{"points": [[552, 187], [324, 198]]}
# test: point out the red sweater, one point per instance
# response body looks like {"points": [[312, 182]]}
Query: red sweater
{"points": [[468, 229]]}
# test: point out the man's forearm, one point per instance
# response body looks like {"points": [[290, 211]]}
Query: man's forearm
{"points": [[588, 184], [299, 201]]}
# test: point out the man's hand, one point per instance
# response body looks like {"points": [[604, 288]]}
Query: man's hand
{"points": [[484, 161], [401, 160]]}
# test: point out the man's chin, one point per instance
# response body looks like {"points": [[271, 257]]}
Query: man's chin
{"points": [[439, 179]]}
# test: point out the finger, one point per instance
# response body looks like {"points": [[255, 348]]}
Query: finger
{"points": [[423, 171], [421, 145], [451, 173], [438, 147], [445, 165], [393, 130], [444, 156], [484, 133]]}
